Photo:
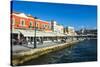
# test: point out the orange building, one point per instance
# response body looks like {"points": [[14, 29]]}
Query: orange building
{"points": [[22, 21], [23, 29]]}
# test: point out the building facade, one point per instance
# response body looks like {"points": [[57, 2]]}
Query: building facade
{"points": [[56, 27], [22, 21], [70, 31], [27, 29], [23, 28]]}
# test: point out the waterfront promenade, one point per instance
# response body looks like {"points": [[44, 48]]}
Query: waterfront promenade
{"points": [[22, 53], [84, 51], [24, 47]]}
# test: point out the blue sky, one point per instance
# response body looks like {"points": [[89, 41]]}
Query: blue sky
{"points": [[77, 16]]}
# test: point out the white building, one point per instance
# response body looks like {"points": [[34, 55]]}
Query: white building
{"points": [[70, 31], [56, 27]]}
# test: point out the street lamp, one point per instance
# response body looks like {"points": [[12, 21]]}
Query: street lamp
{"points": [[35, 33]]}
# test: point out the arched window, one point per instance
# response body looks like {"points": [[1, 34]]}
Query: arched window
{"points": [[13, 21], [22, 22], [31, 23], [43, 26], [37, 25]]}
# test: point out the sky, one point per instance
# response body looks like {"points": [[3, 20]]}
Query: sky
{"points": [[77, 16]]}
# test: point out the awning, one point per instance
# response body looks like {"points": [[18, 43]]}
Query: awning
{"points": [[30, 33], [15, 31], [27, 33]]}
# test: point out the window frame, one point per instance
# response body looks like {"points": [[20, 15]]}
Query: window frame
{"points": [[31, 23], [22, 24], [13, 21]]}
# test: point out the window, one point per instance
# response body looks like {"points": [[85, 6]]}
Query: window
{"points": [[31, 23], [37, 25], [13, 21], [22, 22], [43, 26], [48, 26]]}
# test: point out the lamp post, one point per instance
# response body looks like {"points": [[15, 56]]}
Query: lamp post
{"points": [[35, 33]]}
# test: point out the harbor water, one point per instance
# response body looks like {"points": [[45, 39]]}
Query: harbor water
{"points": [[80, 52]]}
